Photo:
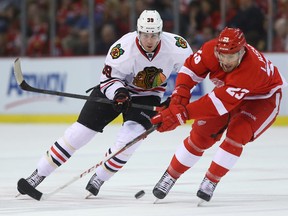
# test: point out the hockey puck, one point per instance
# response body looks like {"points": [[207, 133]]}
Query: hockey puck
{"points": [[140, 194]]}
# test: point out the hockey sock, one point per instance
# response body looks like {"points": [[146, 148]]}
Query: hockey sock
{"points": [[185, 157], [74, 138], [224, 159], [128, 132]]}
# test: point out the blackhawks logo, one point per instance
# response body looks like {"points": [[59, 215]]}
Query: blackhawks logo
{"points": [[180, 42], [116, 51], [150, 77]]}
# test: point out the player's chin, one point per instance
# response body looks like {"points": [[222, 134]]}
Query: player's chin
{"points": [[227, 68], [149, 48]]}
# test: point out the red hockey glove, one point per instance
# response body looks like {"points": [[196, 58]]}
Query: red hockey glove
{"points": [[170, 118], [121, 100], [181, 95]]}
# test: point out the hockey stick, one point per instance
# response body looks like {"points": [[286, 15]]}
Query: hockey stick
{"points": [[36, 194], [25, 86]]}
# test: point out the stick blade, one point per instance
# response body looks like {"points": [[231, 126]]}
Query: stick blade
{"points": [[26, 188], [18, 72]]}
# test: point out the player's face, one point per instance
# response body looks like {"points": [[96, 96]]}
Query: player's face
{"points": [[229, 62], [149, 41]]}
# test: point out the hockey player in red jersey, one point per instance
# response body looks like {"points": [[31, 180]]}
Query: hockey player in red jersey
{"points": [[136, 70], [244, 103]]}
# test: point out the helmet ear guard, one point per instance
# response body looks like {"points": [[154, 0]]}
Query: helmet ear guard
{"points": [[149, 21], [230, 41]]}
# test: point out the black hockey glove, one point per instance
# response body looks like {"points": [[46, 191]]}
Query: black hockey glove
{"points": [[165, 104], [121, 100]]}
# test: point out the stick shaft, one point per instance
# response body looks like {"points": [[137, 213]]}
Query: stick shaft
{"points": [[25, 86]]}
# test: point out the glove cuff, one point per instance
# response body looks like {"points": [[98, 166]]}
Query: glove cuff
{"points": [[122, 90], [181, 95], [182, 90]]}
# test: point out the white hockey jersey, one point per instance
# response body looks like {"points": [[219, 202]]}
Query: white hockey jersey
{"points": [[128, 65]]}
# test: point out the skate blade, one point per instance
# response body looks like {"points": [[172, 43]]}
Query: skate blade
{"points": [[200, 202], [156, 201], [19, 194], [89, 195]]}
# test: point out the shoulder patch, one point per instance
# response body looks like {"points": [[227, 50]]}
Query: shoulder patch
{"points": [[116, 51], [180, 42]]}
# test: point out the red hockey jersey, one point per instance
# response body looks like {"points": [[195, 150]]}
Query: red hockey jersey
{"points": [[254, 78]]}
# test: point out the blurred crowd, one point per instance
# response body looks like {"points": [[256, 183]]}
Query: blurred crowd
{"points": [[199, 21]]}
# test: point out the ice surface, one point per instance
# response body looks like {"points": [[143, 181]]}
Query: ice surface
{"points": [[257, 185]]}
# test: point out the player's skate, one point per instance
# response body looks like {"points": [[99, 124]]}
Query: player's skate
{"points": [[164, 185], [206, 190], [94, 185], [34, 180]]}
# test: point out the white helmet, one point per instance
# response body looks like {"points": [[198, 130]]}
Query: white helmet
{"points": [[149, 21]]}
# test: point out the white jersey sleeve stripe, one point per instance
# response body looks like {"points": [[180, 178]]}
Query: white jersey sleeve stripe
{"points": [[217, 103], [190, 73], [110, 87]]}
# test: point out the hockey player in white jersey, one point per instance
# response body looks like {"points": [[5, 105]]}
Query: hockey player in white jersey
{"points": [[136, 70]]}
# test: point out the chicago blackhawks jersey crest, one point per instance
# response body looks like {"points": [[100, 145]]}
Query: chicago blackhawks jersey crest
{"points": [[143, 74], [150, 77]]}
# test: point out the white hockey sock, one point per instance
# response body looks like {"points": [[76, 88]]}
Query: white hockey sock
{"points": [[128, 132], [74, 138]]}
